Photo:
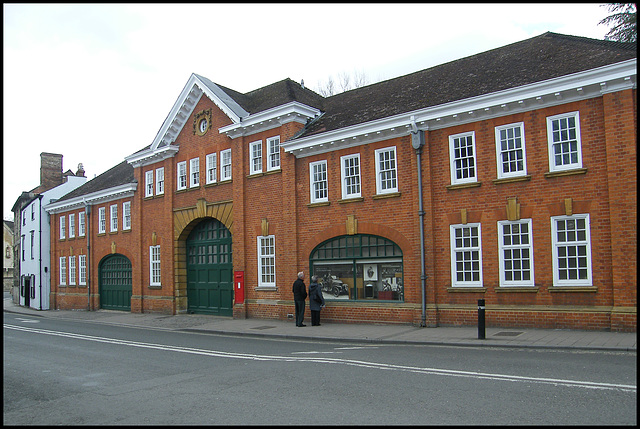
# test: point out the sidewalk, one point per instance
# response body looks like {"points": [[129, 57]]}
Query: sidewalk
{"points": [[557, 339]]}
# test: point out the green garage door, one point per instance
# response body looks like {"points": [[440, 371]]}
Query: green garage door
{"points": [[115, 283], [210, 269]]}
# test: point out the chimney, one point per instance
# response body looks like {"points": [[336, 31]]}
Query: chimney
{"points": [[50, 170], [80, 172]]}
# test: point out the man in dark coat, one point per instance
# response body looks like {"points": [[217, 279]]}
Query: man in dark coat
{"points": [[299, 296]]}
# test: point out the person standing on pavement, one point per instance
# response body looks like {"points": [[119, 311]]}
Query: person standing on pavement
{"points": [[299, 296], [316, 301]]}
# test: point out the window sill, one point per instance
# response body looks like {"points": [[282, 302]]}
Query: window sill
{"points": [[467, 289], [266, 288], [464, 186], [351, 200], [512, 179], [591, 289], [264, 173], [389, 195], [322, 204], [152, 197], [551, 174], [155, 286], [511, 289]]}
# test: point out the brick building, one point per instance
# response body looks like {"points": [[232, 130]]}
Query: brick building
{"points": [[508, 176]]}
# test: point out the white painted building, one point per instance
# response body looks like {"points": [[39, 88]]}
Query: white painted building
{"points": [[35, 244]]}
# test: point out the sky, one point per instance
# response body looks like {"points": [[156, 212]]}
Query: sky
{"points": [[94, 82]]}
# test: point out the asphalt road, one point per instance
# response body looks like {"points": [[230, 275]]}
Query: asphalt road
{"points": [[63, 372]]}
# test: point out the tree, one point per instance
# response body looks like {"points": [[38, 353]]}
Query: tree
{"points": [[623, 19], [345, 83]]}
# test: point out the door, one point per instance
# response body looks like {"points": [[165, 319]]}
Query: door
{"points": [[115, 283], [210, 269]]}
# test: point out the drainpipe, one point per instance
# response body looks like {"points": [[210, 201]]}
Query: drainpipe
{"points": [[87, 223], [40, 246], [417, 141]]}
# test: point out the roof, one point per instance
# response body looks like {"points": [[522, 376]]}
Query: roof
{"points": [[119, 175], [543, 57]]}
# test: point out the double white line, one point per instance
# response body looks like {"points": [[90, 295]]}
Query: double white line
{"points": [[351, 362]]}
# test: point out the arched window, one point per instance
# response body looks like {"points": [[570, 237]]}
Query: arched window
{"points": [[359, 267]]}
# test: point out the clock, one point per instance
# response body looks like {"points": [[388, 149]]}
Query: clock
{"points": [[203, 125], [202, 122]]}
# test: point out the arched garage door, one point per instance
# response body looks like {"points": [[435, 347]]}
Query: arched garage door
{"points": [[210, 269], [115, 283]]}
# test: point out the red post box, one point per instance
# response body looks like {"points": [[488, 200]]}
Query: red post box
{"points": [[238, 286]]}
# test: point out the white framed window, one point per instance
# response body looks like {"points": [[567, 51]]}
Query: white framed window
{"points": [[212, 171], [319, 185], [81, 224], [82, 259], [24, 218], [126, 215], [102, 220], [515, 247], [32, 242], [350, 176], [462, 155], [194, 169], [33, 212], [154, 265], [255, 153], [565, 147], [114, 218], [273, 153], [266, 261], [22, 247], [72, 225], [225, 164], [182, 175], [72, 270], [63, 270], [466, 255], [160, 181], [63, 227], [571, 245], [148, 180], [386, 171], [510, 150]]}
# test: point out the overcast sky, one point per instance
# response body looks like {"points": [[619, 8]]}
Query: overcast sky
{"points": [[95, 82]]}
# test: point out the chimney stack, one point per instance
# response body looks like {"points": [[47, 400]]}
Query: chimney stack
{"points": [[80, 172], [50, 170]]}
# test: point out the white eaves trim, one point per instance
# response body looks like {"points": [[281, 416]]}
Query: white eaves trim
{"points": [[578, 86], [104, 196], [150, 156], [271, 118]]}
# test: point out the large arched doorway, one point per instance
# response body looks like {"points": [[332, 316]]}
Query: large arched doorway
{"points": [[115, 283], [210, 269]]}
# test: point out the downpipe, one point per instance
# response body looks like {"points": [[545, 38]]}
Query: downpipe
{"points": [[417, 142]]}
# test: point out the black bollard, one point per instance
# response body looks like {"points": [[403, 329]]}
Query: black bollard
{"points": [[481, 331]]}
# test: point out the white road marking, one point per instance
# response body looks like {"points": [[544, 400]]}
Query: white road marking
{"points": [[358, 363], [27, 320]]}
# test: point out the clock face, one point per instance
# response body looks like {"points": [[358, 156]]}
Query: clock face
{"points": [[203, 125]]}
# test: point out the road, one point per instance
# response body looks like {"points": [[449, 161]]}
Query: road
{"points": [[62, 372]]}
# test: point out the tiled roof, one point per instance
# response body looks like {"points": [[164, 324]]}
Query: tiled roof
{"points": [[547, 56], [121, 174]]}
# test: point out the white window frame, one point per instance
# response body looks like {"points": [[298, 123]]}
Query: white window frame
{"points": [[72, 225], [33, 212], [160, 181], [182, 175], [385, 166], [212, 167], [22, 247], [466, 247], [102, 220], [319, 181], [457, 163], [82, 263], [63, 270], [126, 215], [509, 152], [346, 175], [113, 216], [155, 274], [273, 153], [267, 261], [579, 242], [552, 143], [81, 224], [517, 261], [63, 227], [148, 180], [72, 270], [194, 172], [33, 240], [225, 165], [255, 157]]}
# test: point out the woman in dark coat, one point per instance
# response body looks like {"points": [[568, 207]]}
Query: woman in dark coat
{"points": [[316, 301]]}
